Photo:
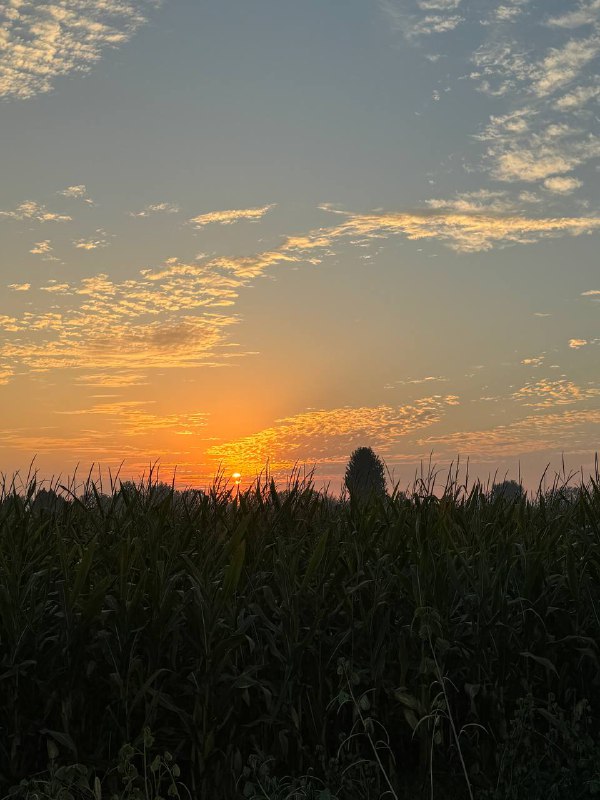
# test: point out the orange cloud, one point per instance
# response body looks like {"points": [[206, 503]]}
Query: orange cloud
{"points": [[328, 435]]}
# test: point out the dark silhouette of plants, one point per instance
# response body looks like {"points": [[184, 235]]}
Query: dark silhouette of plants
{"points": [[365, 475]]}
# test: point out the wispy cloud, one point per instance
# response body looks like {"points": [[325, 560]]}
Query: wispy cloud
{"points": [[74, 191], [328, 435], [156, 208], [78, 192], [93, 242], [521, 148], [563, 64], [575, 344], [546, 394], [577, 99], [113, 380], [231, 216], [20, 287], [562, 185], [44, 249], [533, 361], [30, 210], [586, 13], [43, 40], [463, 232], [422, 18], [168, 317], [133, 418], [417, 381], [556, 432]]}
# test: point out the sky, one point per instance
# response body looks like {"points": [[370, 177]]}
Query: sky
{"points": [[247, 232]]}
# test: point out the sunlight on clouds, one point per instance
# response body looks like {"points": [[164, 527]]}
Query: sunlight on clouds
{"points": [[465, 233], [30, 210], [534, 361], [43, 40], [20, 287], [562, 65], [74, 191], [78, 192], [144, 323], [586, 13], [518, 153], [156, 208], [93, 243], [577, 98], [327, 436], [569, 430], [575, 344], [44, 249], [112, 380], [423, 17], [231, 216], [545, 394], [562, 185], [5, 375], [132, 418]]}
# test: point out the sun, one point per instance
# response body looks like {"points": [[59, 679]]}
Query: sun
{"points": [[237, 478]]}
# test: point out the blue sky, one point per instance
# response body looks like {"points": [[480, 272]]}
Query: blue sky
{"points": [[242, 231]]}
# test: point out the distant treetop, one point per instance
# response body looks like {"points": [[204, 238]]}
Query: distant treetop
{"points": [[507, 490], [365, 475]]}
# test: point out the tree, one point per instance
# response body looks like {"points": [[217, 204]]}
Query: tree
{"points": [[507, 490], [365, 475]]}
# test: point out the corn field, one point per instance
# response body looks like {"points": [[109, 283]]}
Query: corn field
{"points": [[285, 644]]}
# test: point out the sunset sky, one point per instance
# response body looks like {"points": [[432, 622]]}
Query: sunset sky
{"points": [[235, 231]]}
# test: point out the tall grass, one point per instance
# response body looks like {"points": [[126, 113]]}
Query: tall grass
{"points": [[393, 649]]}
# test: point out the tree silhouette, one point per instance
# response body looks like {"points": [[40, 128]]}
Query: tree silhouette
{"points": [[365, 476], [507, 490]]}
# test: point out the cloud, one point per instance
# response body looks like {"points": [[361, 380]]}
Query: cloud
{"points": [[535, 361], [30, 210], [113, 380], [546, 394], [575, 344], [563, 64], [74, 191], [465, 233], [577, 98], [519, 152], [590, 292], [546, 129], [423, 17], [116, 432], [20, 287], [44, 249], [562, 185], [329, 435], [482, 200], [156, 208], [586, 13], [166, 318], [46, 39], [133, 419], [93, 243], [78, 192], [557, 432], [178, 315], [417, 381], [231, 216], [6, 374]]}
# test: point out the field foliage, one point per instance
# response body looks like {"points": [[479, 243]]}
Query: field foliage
{"points": [[286, 644]]}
